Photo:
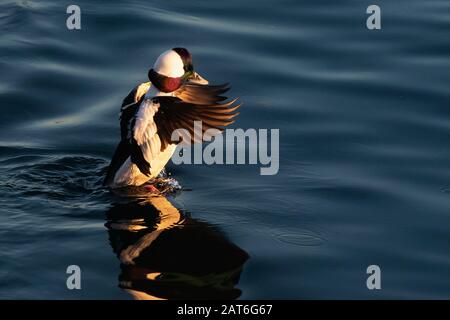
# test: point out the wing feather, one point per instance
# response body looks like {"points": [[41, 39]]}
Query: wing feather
{"points": [[144, 138], [128, 147], [193, 103], [147, 124], [201, 94]]}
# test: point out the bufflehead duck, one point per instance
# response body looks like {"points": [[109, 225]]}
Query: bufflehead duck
{"points": [[175, 97]]}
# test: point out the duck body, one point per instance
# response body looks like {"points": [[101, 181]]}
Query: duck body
{"points": [[144, 112], [175, 97]]}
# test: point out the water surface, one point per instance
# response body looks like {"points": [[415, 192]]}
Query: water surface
{"points": [[364, 123]]}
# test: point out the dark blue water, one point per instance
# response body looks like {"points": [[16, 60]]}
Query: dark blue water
{"points": [[364, 119]]}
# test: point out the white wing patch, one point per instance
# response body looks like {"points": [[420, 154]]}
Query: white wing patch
{"points": [[145, 130], [144, 126], [147, 138]]}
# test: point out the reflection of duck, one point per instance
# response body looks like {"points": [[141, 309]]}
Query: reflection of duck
{"points": [[166, 254]]}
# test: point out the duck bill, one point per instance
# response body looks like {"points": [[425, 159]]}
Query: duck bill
{"points": [[197, 79]]}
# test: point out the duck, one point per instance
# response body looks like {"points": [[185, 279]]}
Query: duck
{"points": [[174, 98]]}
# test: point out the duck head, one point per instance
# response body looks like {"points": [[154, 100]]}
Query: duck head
{"points": [[173, 68]]}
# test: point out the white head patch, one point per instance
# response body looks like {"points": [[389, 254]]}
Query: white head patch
{"points": [[169, 64]]}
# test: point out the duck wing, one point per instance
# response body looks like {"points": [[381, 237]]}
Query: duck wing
{"points": [[147, 124], [142, 137], [130, 107], [193, 103]]}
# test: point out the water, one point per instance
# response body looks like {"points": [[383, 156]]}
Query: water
{"points": [[364, 152]]}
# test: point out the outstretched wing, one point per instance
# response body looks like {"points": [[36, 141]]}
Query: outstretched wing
{"points": [[147, 124], [130, 106], [142, 136], [202, 94], [194, 103]]}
